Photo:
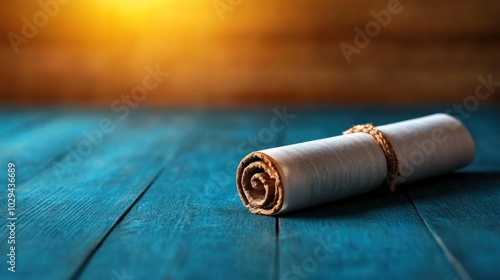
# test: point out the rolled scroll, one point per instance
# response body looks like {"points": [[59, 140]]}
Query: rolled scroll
{"points": [[288, 178]]}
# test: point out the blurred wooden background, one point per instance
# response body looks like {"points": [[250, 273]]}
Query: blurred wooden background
{"points": [[262, 52]]}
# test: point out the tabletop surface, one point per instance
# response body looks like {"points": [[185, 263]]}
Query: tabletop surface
{"points": [[150, 194]]}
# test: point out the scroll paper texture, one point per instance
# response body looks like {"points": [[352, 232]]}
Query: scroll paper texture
{"points": [[293, 177]]}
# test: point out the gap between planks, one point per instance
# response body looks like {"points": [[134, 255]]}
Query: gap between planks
{"points": [[457, 266], [84, 264]]}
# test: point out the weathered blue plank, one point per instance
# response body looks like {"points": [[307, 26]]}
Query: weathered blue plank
{"points": [[61, 220], [483, 125], [462, 211], [33, 148], [17, 118], [188, 226], [184, 225]]}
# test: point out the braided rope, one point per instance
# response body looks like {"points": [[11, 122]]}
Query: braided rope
{"points": [[390, 155]]}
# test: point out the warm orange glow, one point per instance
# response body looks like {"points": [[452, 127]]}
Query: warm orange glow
{"points": [[257, 52], [142, 13], [137, 12]]}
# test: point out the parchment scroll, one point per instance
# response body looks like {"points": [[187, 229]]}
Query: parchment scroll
{"points": [[288, 178]]}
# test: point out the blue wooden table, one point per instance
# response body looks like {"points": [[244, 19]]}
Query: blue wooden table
{"points": [[151, 195]]}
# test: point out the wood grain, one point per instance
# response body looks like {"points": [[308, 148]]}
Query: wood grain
{"points": [[191, 219], [34, 142], [64, 219], [462, 212], [157, 199]]}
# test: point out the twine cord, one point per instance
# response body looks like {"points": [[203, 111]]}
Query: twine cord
{"points": [[390, 155]]}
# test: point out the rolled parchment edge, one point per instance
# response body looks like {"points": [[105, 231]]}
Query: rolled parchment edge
{"points": [[259, 184]]}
